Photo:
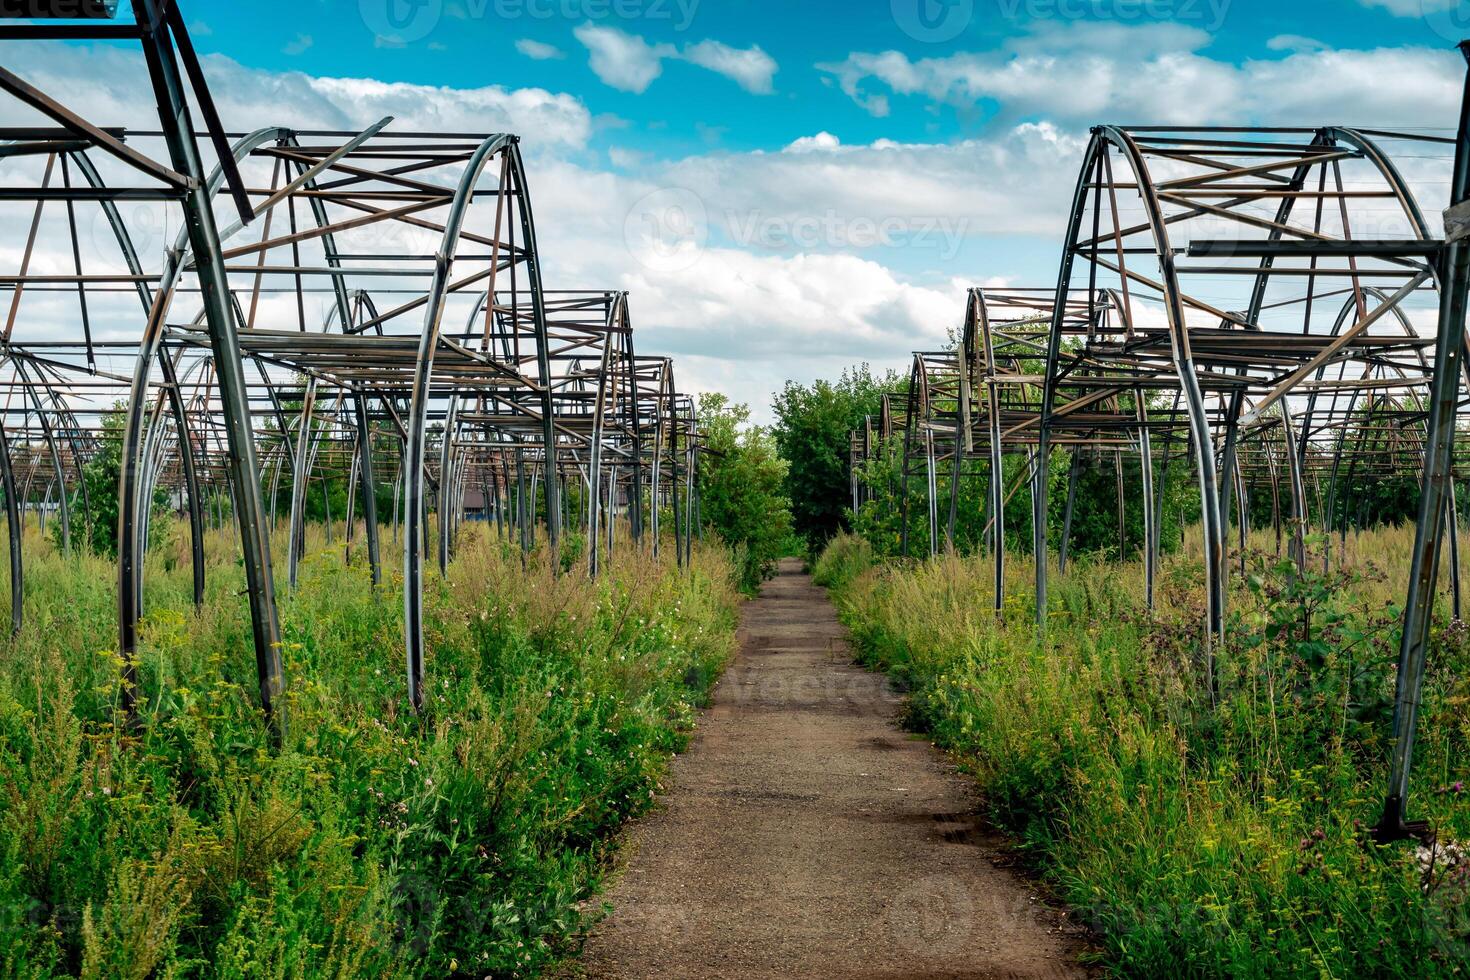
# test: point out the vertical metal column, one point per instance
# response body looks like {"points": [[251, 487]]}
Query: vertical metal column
{"points": [[16, 529], [244, 474], [1146, 466], [1454, 277]]}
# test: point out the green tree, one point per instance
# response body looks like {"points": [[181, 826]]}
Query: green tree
{"points": [[742, 487], [102, 475], [812, 432]]}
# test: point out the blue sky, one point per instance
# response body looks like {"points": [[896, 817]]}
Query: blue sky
{"points": [[687, 109], [789, 187]]}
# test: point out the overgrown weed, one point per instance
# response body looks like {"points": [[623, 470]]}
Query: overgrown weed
{"points": [[374, 842], [1199, 837]]}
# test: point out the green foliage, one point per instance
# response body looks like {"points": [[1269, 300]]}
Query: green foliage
{"points": [[742, 493], [1098, 527], [328, 488], [1198, 838], [812, 434], [372, 842], [95, 510], [845, 558]]}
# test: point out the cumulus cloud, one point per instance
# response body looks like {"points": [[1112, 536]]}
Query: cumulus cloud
{"points": [[538, 50], [793, 307], [249, 97], [1018, 181], [790, 279], [623, 61], [1085, 73], [629, 63], [750, 68], [813, 144]]}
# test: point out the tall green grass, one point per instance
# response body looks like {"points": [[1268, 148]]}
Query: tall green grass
{"points": [[1197, 839], [373, 842]]}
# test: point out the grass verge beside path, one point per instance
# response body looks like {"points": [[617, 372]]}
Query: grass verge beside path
{"points": [[374, 843], [1197, 840]]}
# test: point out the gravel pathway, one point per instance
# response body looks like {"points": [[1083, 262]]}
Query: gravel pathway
{"points": [[806, 835]]}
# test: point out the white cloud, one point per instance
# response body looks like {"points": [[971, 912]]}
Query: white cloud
{"points": [[751, 68], [622, 60], [249, 97], [1295, 42], [300, 45], [538, 50], [629, 63], [813, 144], [792, 308], [1018, 181], [1086, 73], [749, 313]]}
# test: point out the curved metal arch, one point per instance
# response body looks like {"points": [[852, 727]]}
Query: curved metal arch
{"points": [[1102, 138], [977, 319], [617, 315], [416, 450], [1213, 521]]}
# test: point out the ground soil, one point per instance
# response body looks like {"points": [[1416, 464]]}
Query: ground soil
{"points": [[804, 834]]}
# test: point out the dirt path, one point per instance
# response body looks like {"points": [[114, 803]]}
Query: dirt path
{"points": [[806, 835]]}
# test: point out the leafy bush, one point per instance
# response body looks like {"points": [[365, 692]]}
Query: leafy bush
{"points": [[741, 490]]}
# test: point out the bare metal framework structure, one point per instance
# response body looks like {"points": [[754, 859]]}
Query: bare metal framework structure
{"points": [[365, 305], [1253, 303]]}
